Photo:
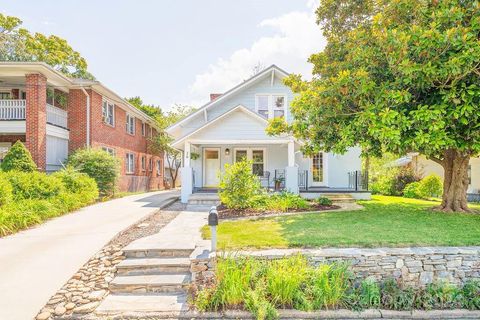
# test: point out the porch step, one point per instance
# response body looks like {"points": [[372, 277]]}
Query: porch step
{"points": [[157, 252], [157, 283], [149, 266], [211, 199], [339, 197]]}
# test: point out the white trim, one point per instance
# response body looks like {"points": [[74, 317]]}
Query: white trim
{"points": [[230, 92], [58, 132], [239, 107], [15, 126], [250, 154], [127, 166], [268, 142], [109, 102], [128, 119], [219, 150], [325, 171], [271, 103]]}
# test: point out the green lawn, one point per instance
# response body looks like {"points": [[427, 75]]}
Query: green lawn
{"points": [[385, 221]]}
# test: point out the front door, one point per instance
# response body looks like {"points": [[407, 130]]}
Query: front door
{"points": [[211, 167], [317, 170]]}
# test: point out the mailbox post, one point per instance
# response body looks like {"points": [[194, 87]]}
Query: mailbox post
{"points": [[213, 222]]}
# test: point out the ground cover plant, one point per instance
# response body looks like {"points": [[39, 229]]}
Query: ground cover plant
{"points": [[385, 221], [31, 197], [241, 195], [264, 286]]}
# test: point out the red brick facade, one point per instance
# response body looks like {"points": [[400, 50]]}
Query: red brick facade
{"points": [[36, 118], [102, 135]]}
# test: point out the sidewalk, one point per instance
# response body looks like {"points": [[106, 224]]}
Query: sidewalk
{"points": [[35, 263]]}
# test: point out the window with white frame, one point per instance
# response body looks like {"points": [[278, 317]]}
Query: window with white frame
{"points": [[5, 95], [159, 167], [151, 132], [150, 164], [144, 129], [111, 151], [108, 113], [130, 125], [257, 156], [144, 160], [130, 163], [271, 105]]}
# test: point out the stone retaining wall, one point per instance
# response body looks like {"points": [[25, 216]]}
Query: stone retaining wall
{"points": [[412, 266]]}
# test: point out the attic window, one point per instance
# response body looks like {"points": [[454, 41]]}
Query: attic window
{"points": [[271, 106]]}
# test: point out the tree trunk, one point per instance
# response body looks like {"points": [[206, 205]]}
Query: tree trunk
{"points": [[455, 184]]}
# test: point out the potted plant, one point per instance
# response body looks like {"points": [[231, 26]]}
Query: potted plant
{"points": [[278, 183]]}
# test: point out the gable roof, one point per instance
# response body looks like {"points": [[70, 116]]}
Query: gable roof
{"points": [[240, 107], [272, 69]]}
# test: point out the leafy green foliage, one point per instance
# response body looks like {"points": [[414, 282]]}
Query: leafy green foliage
{"points": [[18, 44], [324, 201], [34, 185], [470, 293], [18, 158], [412, 190], [431, 186], [238, 185], [39, 196], [393, 181], [280, 202], [6, 190], [99, 165]]}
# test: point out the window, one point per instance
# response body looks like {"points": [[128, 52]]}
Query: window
{"points": [[111, 151], [159, 167], [262, 105], [144, 129], [130, 125], [4, 95], [108, 110], [150, 164], [130, 163], [144, 159], [258, 162], [271, 106], [278, 106], [4, 147], [151, 132], [317, 167], [240, 155]]}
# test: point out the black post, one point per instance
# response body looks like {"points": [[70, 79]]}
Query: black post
{"points": [[306, 180], [356, 180]]}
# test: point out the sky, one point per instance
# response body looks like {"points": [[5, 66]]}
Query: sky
{"points": [[178, 52]]}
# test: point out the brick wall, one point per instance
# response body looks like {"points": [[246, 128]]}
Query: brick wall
{"points": [[117, 138], [36, 118], [12, 138]]}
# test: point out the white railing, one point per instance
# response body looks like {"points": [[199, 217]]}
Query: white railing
{"points": [[56, 116], [12, 109]]}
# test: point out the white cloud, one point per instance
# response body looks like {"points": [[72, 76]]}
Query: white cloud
{"points": [[297, 36]]}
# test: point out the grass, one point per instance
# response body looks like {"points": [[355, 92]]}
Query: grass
{"points": [[385, 221]]}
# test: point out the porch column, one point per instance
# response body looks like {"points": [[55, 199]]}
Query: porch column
{"points": [[187, 174], [291, 172], [36, 118]]}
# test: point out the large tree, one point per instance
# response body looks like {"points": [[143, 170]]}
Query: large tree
{"points": [[395, 76], [18, 44]]}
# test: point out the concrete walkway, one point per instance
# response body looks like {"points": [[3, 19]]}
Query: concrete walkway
{"points": [[35, 263]]}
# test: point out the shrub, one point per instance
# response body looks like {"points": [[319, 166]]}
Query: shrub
{"points": [[470, 293], [393, 181], [369, 293], [99, 165], [34, 185], [77, 182], [412, 190], [285, 201], [431, 186], [238, 185], [6, 194], [324, 201], [18, 158]]}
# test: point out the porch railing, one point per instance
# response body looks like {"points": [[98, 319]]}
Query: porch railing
{"points": [[358, 180], [303, 179], [56, 116], [12, 109]]}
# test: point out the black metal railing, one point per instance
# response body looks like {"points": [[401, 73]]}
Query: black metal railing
{"points": [[279, 179], [303, 179], [358, 180]]}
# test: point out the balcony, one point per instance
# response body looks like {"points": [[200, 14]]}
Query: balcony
{"points": [[12, 109], [15, 110]]}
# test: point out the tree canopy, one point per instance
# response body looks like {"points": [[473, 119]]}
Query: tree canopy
{"points": [[395, 76], [18, 44]]}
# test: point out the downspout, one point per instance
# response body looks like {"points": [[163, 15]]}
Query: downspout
{"points": [[88, 116]]}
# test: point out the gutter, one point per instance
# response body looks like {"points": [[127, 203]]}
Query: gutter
{"points": [[88, 116]]}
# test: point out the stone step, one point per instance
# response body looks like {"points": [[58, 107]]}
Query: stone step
{"points": [[162, 302], [158, 283], [211, 199], [152, 252], [338, 200], [147, 266]]}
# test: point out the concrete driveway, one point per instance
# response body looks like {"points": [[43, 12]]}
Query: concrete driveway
{"points": [[35, 263]]}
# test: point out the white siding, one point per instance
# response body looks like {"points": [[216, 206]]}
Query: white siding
{"points": [[57, 152]]}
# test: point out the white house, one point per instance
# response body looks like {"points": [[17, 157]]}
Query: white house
{"points": [[231, 126]]}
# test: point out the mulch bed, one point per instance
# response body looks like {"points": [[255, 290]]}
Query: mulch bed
{"points": [[224, 212]]}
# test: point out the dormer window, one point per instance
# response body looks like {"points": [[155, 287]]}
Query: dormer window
{"points": [[270, 105]]}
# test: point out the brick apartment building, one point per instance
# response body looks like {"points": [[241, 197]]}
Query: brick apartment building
{"points": [[54, 115]]}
